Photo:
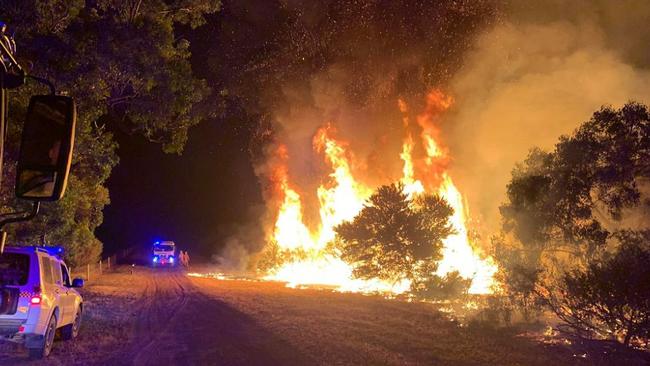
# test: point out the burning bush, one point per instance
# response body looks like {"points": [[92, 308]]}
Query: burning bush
{"points": [[612, 296], [433, 287], [273, 256], [396, 238]]}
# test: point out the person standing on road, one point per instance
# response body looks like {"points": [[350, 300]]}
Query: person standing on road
{"points": [[187, 260], [181, 257], [184, 259]]}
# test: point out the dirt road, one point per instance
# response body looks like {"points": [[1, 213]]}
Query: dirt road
{"points": [[163, 317], [158, 317], [178, 324]]}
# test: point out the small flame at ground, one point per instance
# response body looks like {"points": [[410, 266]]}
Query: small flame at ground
{"points": [[341, 197]]}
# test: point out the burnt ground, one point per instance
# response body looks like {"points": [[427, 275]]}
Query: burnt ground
{"points": [[163, 317]]}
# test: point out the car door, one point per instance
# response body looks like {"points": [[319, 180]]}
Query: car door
{"points": [[62, 292], [67, 294], [58, 289], [51, 290]]}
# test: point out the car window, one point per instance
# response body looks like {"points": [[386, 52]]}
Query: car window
{"points": [[14, 269], [56, 271], [66, 276], [46, 270]]}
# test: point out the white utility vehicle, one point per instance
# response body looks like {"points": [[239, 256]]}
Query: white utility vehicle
{"points": [[164, 253], [38, 298]]}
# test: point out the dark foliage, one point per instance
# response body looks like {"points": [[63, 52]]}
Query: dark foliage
{"points": [[127, 69], [433, 287], [564, 213], [394, 238], [379, 51], [612, 296]]}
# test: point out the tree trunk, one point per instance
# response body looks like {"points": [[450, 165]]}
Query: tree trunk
{"points": [[628, 336]]}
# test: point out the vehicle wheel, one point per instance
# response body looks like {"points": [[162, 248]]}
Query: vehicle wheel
{"points": [[71, 331], [48, 341]]}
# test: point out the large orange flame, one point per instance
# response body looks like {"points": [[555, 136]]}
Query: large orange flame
{"points": [[290, 232], [341, 197]]}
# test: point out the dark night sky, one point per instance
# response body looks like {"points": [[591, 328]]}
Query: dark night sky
{"points": [[184, 198], [202, 197]]}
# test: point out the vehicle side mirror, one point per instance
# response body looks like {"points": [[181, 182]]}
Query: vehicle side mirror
{"points": [[46, 148], [78, 283]]}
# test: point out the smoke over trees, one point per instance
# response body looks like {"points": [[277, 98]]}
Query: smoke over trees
{"points": [[574, 216], [531, 78], [521, 73], [295, 65]]}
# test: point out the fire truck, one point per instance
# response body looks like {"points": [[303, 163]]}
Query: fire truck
{"points": [[164, 253]]}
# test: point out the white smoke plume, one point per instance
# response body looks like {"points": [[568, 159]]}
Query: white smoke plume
{"points": [[536, 76]]}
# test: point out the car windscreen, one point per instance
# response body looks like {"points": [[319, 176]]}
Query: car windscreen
{"points": [[14, 269], [163, 248]]}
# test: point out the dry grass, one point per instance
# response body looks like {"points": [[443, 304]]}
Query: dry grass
{"points": [[235, 322], [350, 329]]}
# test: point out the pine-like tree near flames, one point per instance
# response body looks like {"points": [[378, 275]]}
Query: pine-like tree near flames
{"points": [[395, 238]]}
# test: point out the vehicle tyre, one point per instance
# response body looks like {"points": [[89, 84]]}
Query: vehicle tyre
{"points": [[71, 331], [48, 341]]}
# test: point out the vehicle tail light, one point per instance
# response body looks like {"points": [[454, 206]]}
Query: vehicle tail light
{"points": [[21, 329], [35, 300]]}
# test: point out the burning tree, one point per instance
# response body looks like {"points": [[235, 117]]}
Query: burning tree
{"points": [[576, 225], [396, 238], [297, 250]]}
